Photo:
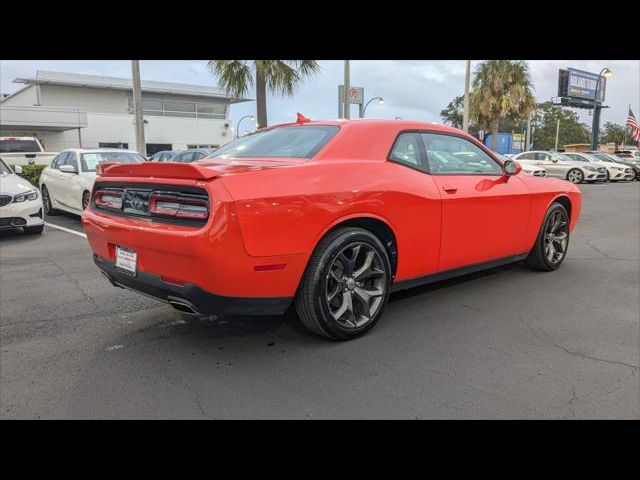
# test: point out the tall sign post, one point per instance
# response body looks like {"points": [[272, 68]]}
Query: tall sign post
{"points": [[347, 84], [354, 95]]}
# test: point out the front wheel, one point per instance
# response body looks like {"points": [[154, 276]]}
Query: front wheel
{"points": [[46, 202], [345, 286], [575, 175], [553, 240]]}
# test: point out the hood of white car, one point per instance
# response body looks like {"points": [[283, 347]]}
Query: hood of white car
{"points": [[14, 185]]}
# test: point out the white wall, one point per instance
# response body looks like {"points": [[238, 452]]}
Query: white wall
{"points": [[179, 132]]}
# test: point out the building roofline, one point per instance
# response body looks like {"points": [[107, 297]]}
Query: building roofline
{"points": [[119, 83]]}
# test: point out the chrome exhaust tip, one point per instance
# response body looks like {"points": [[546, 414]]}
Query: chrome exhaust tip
{"points": [[183, 307]]}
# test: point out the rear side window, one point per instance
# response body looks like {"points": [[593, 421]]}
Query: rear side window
{"points": [[407, 151], [283, 142]]}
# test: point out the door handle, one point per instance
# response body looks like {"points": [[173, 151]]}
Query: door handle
{"points": [[450, 188]]}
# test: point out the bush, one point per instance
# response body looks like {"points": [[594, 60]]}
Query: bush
{"points": [[31, 172]]}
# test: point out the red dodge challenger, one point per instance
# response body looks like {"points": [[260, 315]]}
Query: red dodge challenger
{"points": [[331, 216]]}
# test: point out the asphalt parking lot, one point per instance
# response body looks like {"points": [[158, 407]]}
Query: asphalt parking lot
{"points": [[507, 343]]}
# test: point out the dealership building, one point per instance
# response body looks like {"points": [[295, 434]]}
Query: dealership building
{"points": [[65, 110]]}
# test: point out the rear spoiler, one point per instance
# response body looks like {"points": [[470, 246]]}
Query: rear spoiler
{"points": [[188, 171]]}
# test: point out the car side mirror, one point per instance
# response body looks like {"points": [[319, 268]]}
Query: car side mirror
{"points": [[509, 167], [17, 169], [554, 160], [68, 169]]}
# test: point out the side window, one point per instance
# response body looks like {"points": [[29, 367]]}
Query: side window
{"points": [[525, 156], [59, 160], [448, 154], [406, 150], [185, 157], [72, 160], [198, 156]]}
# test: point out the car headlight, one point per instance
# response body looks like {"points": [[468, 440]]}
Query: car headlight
{"points": [[591, 169], [619, 168], [30, 195]]}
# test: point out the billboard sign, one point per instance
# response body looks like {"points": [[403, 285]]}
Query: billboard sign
{"points": [[582, 85]]}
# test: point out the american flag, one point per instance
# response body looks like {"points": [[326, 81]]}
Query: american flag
{"points": [[632, 123]]}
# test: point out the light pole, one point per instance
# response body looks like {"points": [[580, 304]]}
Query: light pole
{"points": [[465, 113], [238, 124], [380, 102], [137, 107], [345, 97], [606, 73]]}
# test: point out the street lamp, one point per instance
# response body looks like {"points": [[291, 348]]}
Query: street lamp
{"points": [[606, 73], [238, 124], [380, 102]]}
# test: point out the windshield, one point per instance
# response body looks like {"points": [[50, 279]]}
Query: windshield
{"points": [[8, 146], [90, 160], [4, 168], [282, 142]]}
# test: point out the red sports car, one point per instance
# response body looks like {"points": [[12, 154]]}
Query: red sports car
{"points": [[332, 216]]}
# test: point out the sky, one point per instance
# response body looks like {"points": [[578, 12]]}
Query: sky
{"points": [[412, 89]]}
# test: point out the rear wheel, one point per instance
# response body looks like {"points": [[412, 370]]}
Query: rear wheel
{"points": [[345, 286], [553, 240], [85, 200], [575, 175], [46, 202]]}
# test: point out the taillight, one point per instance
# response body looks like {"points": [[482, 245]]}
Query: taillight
{"points": [[178, 206], [108, 199]]}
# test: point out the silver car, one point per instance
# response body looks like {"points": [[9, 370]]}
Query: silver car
{"points": [[560, 166]]}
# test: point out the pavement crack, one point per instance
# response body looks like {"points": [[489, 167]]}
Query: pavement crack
{"points": [[603, 253], [597, 359]]}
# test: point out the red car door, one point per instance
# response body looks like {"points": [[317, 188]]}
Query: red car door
{"points": [[484, 214]]}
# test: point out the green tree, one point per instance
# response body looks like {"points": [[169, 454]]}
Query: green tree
{"points": [[500, 88], [454, 112], [453, 115], [280, 77], [544, 124], [618, 134]]}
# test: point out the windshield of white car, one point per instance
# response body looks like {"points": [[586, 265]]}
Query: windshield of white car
{"points": [[4, 168], [283, 142], [9, 146], [90, 160]]}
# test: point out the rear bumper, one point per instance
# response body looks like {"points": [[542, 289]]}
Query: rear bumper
{"points": [[191, 296]]}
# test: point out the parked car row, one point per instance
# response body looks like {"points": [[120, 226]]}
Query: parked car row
{"points": [[180, 156], [581, 167]]}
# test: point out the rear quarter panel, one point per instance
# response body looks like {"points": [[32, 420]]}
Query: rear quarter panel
{"points": [[287, 211]]}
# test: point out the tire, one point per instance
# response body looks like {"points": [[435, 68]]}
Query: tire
{"points": [[540, 258], [86, 196], [337, 280], [608, 177], [46, 203], [33, 230], [575, 175]]}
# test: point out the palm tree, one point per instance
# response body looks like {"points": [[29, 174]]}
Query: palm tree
{"points": [[500, 88], [282, 77]]}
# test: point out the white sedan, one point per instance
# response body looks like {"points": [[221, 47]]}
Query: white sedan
{"points": [[67, 183], [615, 171], [20, 202]]}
